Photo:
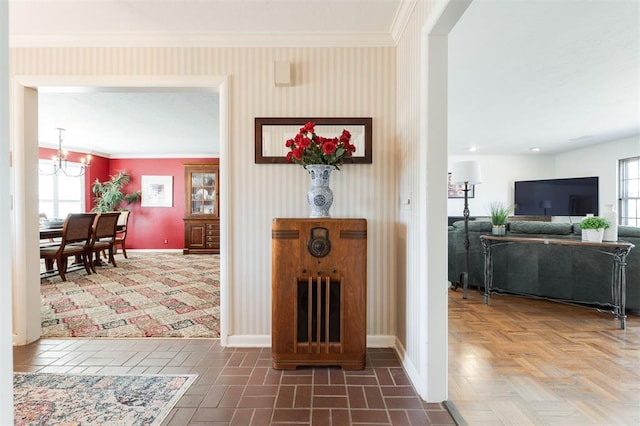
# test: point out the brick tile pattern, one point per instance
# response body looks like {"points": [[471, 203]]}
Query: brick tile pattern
{"points": [[237, 386]]}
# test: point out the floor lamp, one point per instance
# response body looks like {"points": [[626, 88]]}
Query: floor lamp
{"points": [[467, 173]]}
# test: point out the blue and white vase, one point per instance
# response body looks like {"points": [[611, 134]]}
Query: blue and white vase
{"points": [[320, 196]]}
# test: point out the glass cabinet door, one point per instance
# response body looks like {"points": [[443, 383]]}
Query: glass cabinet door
{"points": [[201, 208], [203, 193]]}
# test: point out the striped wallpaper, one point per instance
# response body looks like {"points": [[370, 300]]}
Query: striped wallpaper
{"points": [[326, 82]]}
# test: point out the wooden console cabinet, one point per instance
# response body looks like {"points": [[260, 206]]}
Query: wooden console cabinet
{"points": [[201, 218], [319, 293]]}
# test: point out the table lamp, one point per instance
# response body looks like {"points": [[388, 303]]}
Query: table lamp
{"points": [[467, 173]]}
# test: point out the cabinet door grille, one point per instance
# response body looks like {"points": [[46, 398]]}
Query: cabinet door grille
{"points": [[319, 315]]}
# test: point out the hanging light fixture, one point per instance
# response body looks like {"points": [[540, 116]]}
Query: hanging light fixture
{"points": [[60, 160]]}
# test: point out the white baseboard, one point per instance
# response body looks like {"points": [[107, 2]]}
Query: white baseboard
{"points": [[380, 341], [264, 341], [409, 368], [249, 341]]}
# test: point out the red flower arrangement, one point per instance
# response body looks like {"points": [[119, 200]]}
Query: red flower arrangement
{"points": [[308, 148]]}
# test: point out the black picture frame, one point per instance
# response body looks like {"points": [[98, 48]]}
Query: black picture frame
{"points": [[456, 190], [268, 151]]}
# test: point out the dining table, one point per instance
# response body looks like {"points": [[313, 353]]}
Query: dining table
{"points": [[48, 233]]}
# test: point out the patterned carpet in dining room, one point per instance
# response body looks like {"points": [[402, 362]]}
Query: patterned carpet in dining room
{"points": [[147, 295]]}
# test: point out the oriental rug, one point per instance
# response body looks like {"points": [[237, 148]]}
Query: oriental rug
{"points": [[147, 295], [76, 399]]}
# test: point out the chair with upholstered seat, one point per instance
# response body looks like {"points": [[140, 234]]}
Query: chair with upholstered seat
{"points": [[103, 237], [121, 235], [76, 238]]}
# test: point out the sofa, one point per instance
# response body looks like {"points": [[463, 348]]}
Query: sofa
{"points": [[569, 273]]}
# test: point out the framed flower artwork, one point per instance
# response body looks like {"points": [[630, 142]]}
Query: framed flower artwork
{"points": [[272, 133]]}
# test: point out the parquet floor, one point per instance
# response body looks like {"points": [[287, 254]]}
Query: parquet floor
{"points": [[534, 362]]}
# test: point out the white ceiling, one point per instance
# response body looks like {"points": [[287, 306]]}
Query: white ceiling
{"points": [[558, 75], [131, 123], [204, 22], [554, 74]]}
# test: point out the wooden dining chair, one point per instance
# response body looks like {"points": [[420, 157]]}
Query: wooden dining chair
{"points": [[121, 235], [76, 238], [103, 238]]}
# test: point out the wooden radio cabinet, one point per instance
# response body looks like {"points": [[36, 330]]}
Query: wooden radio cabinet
{"points": [[319, 293]]}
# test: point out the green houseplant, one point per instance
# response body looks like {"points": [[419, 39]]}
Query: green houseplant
{"points": [[594, 222], [593, 228], [109, 194], [499, 214]]}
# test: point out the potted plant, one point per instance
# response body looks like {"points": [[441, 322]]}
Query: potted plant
{"points": [[593, 228], [499, 214], [109, 195]]}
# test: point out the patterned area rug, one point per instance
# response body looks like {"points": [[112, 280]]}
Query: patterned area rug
{"points": [[66, 399], [147, 295]]}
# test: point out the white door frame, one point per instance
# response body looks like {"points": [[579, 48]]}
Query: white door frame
{"points": [[24, 146], [433, 210]]}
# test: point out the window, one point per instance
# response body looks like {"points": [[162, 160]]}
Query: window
{"points": [[630, 191], [60, 194]]}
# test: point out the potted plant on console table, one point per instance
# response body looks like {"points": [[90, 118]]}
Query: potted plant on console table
{"points": [[593, 228], [499, 214]]}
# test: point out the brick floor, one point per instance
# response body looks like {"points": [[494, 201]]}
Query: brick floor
{"points": [[237, 386]]}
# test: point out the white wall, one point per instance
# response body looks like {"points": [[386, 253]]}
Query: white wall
{"points": [[6, 354], [599, 160], [412, 278], [500, 172], [421, 246]]}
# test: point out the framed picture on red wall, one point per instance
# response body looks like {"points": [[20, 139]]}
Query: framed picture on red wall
{"points": [[157, 191]]}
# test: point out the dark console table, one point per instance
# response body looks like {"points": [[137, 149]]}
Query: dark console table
{"points": [[618, 250]]}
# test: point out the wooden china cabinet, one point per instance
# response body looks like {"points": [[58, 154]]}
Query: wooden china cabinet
{"points": [[201, 216]]}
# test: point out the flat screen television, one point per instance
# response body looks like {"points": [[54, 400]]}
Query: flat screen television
{"points": [[557, 197]]}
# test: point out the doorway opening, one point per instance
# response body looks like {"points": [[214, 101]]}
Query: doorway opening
{"points": [[26, 301]]}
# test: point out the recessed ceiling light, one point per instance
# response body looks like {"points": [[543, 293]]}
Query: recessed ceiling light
{"points": [[472, 148], [535, 149]]}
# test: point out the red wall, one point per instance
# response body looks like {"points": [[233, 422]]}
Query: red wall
{"points": [[99, 170], [149, 227]]}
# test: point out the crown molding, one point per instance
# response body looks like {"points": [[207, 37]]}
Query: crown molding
{"points": [[400, 21], [124, 156], [202, 40]]}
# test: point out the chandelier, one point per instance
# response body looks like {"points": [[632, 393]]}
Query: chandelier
{"points": [[60, 160]]}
